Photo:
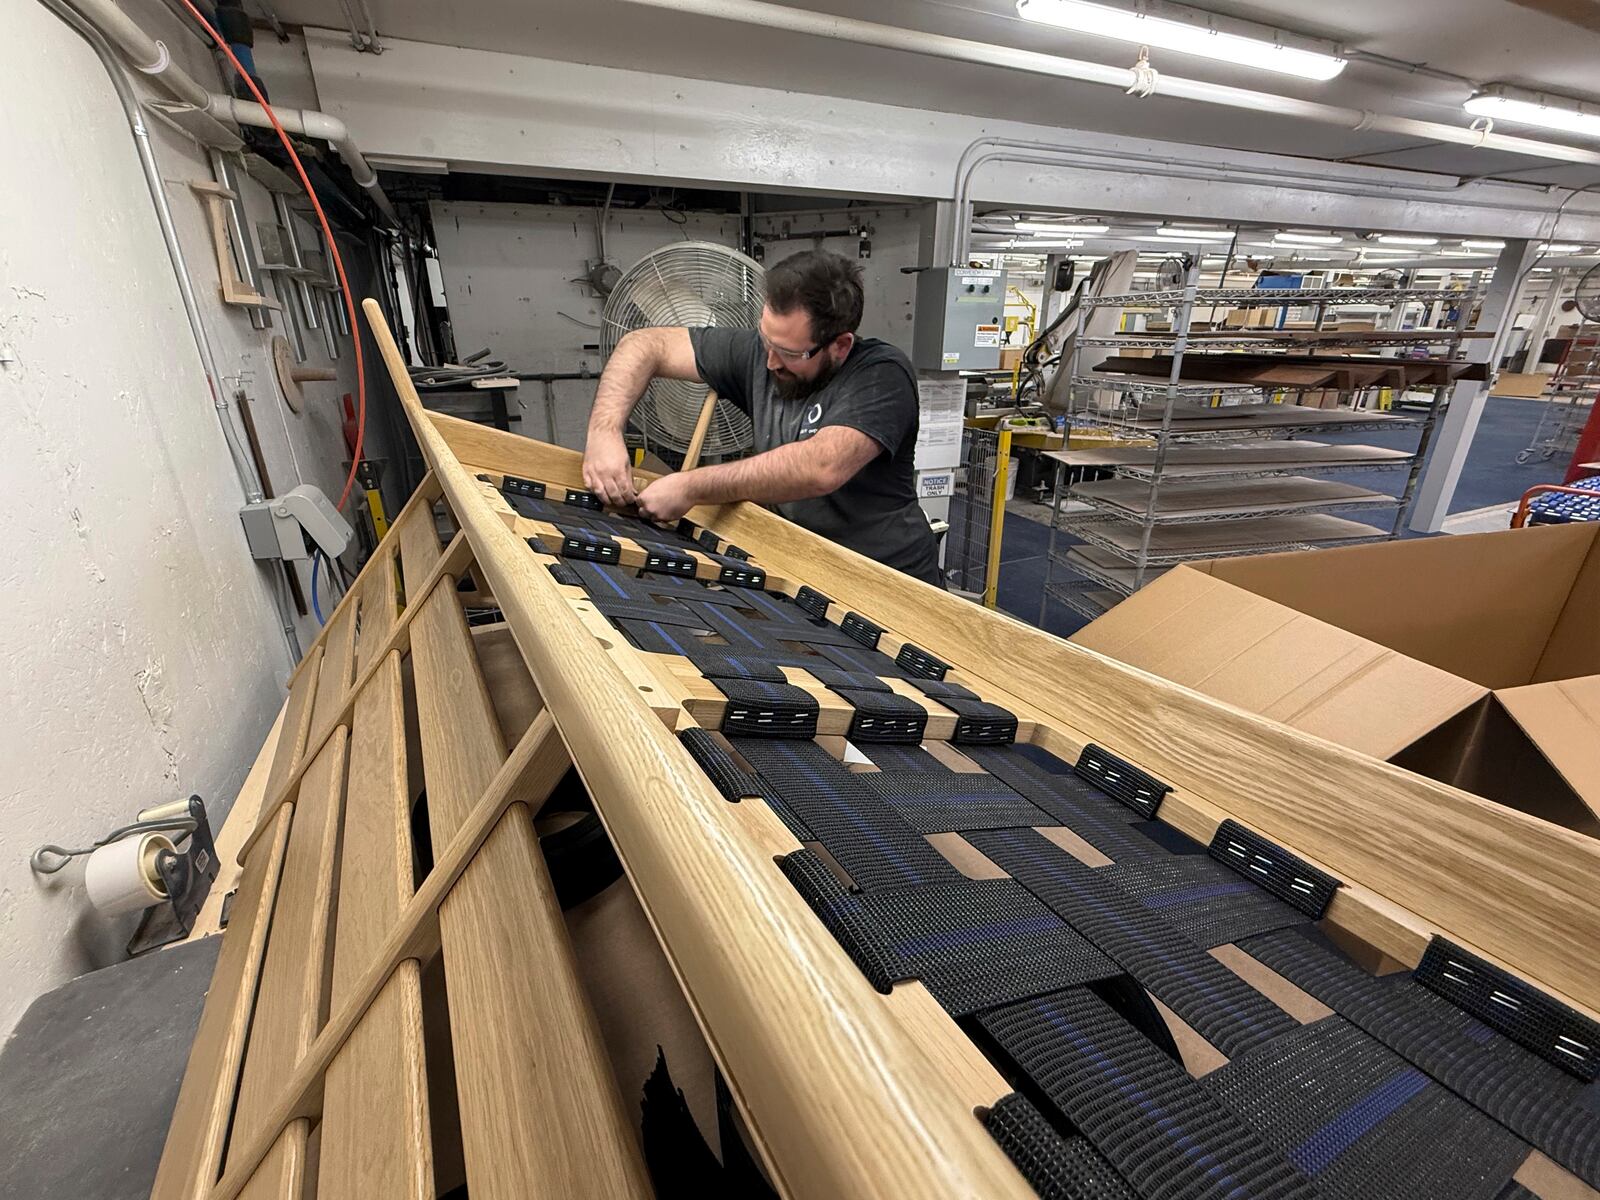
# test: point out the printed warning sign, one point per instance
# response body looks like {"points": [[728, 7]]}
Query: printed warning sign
{"points": [[988, 335]]}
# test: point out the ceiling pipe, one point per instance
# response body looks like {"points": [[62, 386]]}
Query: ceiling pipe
{"points": [[152, 58], [890, 37]]}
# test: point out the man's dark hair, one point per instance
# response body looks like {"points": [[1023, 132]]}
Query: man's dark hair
{"points": [[827, 286]]}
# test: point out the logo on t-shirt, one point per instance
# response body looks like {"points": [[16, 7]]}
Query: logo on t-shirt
{"points": [[808, 423]]}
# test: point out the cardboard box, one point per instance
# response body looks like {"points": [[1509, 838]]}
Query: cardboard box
{"points": [[1473, 659]]}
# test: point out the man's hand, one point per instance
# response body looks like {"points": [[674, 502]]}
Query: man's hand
{"points": [[666, 499], [607, 469]]}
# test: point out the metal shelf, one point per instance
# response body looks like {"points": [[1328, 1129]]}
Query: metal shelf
{"points": [[1334, 498], [1269, 341], [1115, 575], [1277, 297], [1356, 423], [1093, 530], [1146, 474], [1151, 387], [1085, 597]]}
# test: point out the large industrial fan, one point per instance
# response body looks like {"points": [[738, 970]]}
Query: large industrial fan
{"points": [[686, 283], [1588, 294]]}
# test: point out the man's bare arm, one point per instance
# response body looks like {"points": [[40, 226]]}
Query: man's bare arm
{"points": [[798, 471], [642, 355]]}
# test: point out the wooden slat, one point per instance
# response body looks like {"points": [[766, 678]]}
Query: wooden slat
{"points": [[456, 558], [376, 1139], [849, 1100], [419, 550], [380, 608], [296, 724], [290, 1005], [193, 1153], [540, 1112], [528, 776], [375, 1130], [1513, 887], [281, 1175], [338, 662]]}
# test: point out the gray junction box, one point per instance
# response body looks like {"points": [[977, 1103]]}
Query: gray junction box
{"points": [[960, 319]]}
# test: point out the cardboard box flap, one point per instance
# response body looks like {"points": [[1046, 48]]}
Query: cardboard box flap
{"points": [[1266, 658], [1563, 720]]}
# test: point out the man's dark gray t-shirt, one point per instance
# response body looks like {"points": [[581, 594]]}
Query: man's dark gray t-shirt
{"points": [[875, 390]]}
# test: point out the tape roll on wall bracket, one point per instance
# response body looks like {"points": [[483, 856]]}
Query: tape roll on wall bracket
{"points": [[122, 876]]}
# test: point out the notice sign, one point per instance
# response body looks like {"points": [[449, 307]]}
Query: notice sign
{"points": [[988, 335]]}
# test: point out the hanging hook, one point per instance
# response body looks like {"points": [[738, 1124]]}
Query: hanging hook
{"points": [[1145, 76], [1483, 127]]}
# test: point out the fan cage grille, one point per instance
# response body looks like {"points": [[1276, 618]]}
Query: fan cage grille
{"points": [[686, 283]]}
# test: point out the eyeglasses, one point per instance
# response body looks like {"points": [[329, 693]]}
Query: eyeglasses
{"points": [[788, 355]]}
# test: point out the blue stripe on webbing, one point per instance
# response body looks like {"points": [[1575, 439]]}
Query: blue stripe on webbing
{"points": [[866, 830], [1318, 1151], [947, 939], [1036, 860], [1203, 892], [612, 583], [1160, 1119], [666, 637]]}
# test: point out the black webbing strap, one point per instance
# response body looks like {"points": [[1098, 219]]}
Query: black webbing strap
{"points": [[582, 499], [861, 629], [677, 615], [1121, 780], [733, 551], [884, 716], [772, 710], [1554, 1031], [907, 758], [1540, 1103], [1162, 1131], [854, 658], [1058, 1168], [942, 690], [664, 560], [531, 507], [952, 801], [711, 662], [536, 544], [564, 575], [1371, 1125], [1216, 1003], [846, 918], [974, 944], [589, 545], [530, 488], [734, 782], [1202, 899], [1286, 876], [812, 602], [858, 681], [979, 723], [1080, 806], [705, 537], [864, 834], [917, 662]]}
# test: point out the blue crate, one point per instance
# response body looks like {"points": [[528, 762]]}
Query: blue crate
{"points": [[1558, 508]]}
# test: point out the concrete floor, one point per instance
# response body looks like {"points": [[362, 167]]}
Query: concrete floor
{"points": [[1491, 484]]}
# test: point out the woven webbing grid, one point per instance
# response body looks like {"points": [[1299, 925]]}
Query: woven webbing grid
{"points": [[1402, 1093]]}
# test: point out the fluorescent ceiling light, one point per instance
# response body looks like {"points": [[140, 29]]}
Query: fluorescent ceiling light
{"points": [[1187, 31], [1558, 248], [1470, 245], [1195, 235], [1041, 227], [1306, 239], [1502, 104], [1398, 239]]}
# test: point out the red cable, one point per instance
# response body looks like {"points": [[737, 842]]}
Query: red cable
{"points": [[333, 247]]}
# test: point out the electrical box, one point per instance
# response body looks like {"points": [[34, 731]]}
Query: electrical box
{"points": [[960, 319], [287, 526]]}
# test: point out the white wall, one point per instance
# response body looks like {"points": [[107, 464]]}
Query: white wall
{"points": [[141, 658], [512, 282]]}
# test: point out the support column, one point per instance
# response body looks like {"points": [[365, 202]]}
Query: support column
{"points": [[1453, 437]]}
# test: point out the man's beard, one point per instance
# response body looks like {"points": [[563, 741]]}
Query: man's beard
{"points": [[795, 388]]}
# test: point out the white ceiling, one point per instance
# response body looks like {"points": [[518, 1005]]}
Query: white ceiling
{"points": [[1548, 44]]}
